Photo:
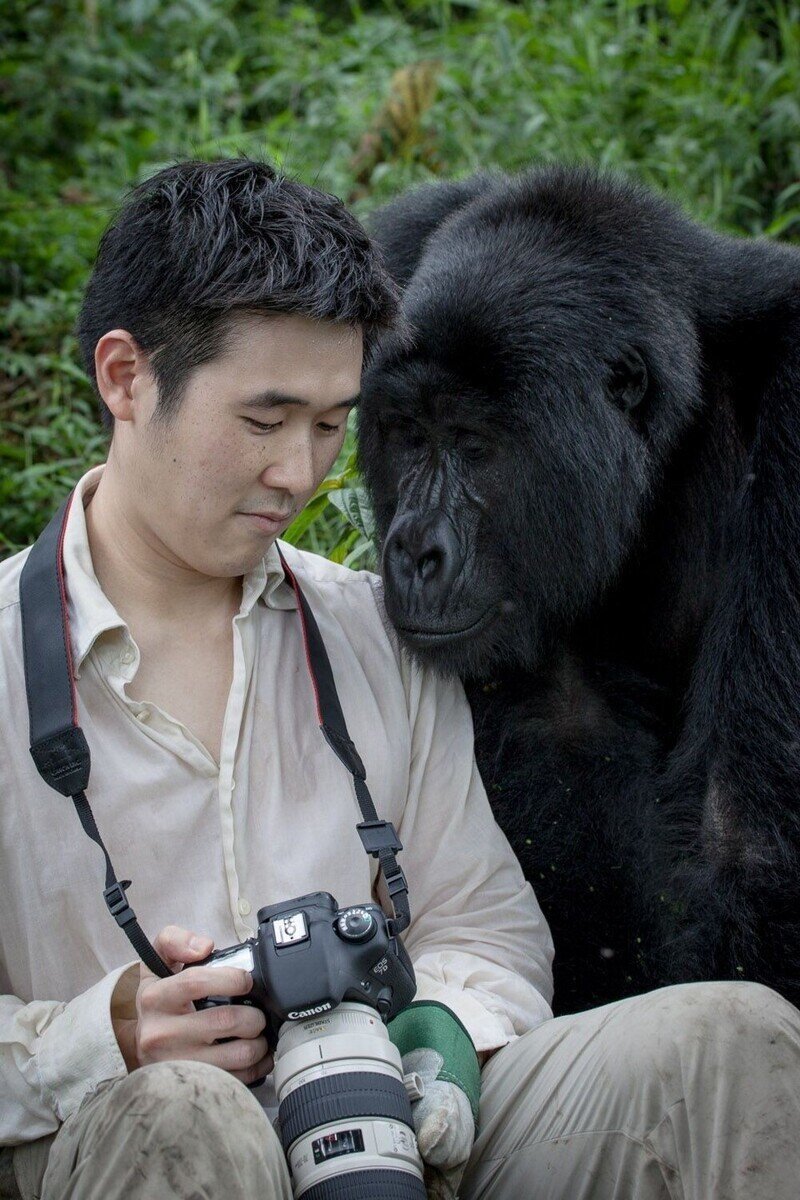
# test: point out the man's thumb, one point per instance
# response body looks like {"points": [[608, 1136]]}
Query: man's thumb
{"points": [[178, 946]]}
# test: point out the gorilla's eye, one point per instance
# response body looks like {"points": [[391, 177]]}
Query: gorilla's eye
{"points": [[628, 380], [406, 434], [472, 447]]}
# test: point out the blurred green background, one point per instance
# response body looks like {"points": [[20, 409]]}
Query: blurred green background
{"points": [[701, 100]]}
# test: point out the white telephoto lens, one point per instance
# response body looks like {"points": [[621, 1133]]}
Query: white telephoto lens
{"points": [[344, 1113]]}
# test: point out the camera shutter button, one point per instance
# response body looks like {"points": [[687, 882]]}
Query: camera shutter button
{"points": [[356, 925]]}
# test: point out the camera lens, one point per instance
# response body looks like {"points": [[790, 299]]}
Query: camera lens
{"points": [[344, 1114]]}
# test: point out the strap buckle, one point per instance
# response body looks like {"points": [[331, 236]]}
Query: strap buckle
{"points": [[396, 881], [117, 902], [377, 836]]}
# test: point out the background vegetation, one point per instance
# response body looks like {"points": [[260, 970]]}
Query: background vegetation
{"points": [[701, 100]]}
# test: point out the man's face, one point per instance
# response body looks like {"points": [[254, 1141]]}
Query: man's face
{"points": [[256, 432]]}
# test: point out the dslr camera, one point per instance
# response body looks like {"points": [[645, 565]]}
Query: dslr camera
{"points": [[327, 980]]}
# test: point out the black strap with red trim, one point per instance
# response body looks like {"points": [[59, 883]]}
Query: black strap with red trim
{"points": [[379, 837], [61, 752]]}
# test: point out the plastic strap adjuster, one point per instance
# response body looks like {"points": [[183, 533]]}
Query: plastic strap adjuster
{"points": [[377, 836], [117, 902], [395, 881]]}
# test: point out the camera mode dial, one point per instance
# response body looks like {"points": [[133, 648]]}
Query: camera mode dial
{"points": [[356, 925]]}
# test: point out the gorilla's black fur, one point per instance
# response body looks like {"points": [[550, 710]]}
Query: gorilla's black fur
{"points": [[584, 455]]}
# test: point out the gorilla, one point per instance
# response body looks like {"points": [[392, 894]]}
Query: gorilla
{"points": [[582, 445]]}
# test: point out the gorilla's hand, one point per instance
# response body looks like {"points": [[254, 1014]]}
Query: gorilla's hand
{"points": [[443, 1123]]}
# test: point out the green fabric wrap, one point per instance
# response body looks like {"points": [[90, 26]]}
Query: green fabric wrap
{"points": [[427, 1024]]}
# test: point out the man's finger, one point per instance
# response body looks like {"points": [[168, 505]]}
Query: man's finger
{"points": [[227, 1021], [258, 1073], [237, 1057], [176, 993]]}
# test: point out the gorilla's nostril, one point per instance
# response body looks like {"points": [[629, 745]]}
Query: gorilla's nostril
{"points": [[399, 552], [429, 563]]}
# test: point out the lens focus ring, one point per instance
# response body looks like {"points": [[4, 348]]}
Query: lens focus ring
{"points": [[366, 1185], [340, 1097]]}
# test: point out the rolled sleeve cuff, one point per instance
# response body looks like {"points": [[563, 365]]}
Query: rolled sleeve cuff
{"points": [[79, 1048], [489, 1030]]}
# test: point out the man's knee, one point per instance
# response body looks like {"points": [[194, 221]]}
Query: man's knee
{"points": [[196, 1094], [721, 1013], [688, 1031], [184, 1081], [178, 1129]]}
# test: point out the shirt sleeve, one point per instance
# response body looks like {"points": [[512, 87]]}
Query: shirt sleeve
{"points": [[478, 939], [52, 1054]]}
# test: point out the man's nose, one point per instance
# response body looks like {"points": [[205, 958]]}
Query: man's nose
{"points": [[294, 472]]}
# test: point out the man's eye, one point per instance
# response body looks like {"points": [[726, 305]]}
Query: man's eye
{"points": [[261, 427]]}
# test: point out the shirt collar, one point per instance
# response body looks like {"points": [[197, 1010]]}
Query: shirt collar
{"points": [[91, 613]]}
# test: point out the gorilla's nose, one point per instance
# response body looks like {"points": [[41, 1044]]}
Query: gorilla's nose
{"points": [[421, 557]]}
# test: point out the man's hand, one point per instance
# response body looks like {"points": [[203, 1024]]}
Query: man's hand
{"points": [[167, 1026], [443, 1123], [435, 1045]]}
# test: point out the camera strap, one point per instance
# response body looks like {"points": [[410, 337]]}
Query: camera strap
{"points": [[61, 753], [378, 837]]}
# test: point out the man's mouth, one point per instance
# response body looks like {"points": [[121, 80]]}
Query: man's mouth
{"points": [[271, 516], [269, 522]]}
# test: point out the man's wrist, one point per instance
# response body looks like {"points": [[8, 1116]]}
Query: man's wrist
{"points": [[124, 1016], [431, 1025], [125, 1033]]}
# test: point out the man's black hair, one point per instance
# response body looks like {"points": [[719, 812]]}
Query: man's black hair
{"points": [[200, 242]]}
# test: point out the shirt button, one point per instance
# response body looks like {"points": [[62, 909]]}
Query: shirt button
{"points": [[144, 715], [128, 657], [244, 908], [233, 784]]}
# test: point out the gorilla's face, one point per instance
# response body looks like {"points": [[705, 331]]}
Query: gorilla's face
{"points": [[510, 465]]}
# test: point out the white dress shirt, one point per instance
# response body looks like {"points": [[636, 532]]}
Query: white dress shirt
{"points": [[208, 844]]}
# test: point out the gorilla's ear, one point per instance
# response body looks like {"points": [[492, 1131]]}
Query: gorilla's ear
{"points": [[628, 380]]}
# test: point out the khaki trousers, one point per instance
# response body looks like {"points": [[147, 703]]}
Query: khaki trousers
{"points": [[686, 1093]]}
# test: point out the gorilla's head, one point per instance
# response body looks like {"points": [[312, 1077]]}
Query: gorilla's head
{"points": [[511, 435]]}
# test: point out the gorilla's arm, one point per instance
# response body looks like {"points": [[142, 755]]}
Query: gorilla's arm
{"points": [[734, 779], [402, 226]]}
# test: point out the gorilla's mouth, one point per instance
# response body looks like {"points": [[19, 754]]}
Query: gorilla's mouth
{"points": [[429, 637]]}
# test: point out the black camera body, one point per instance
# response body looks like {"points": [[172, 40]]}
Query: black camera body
{"points": [[309, 956]]}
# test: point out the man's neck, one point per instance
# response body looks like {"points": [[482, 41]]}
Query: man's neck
{"points": [[143, 579]]}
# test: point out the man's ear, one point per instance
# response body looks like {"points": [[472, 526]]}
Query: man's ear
{"points": [[121, 367]]}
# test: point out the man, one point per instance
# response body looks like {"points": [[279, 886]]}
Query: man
{"points": [[224, 327]]}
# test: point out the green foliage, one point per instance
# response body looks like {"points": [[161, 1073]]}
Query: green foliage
{"points": [[701, 100]]}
